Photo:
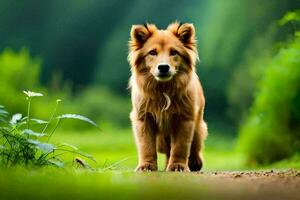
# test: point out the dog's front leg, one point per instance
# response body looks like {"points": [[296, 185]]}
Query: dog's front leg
{"points": [[146, 143], [181, 140]]}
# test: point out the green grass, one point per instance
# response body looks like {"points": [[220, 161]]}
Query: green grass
{"points": [[78, 184], [113, 176], [112, 146]]}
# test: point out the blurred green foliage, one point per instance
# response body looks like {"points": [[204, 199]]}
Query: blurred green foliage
{"points": [[272, 130], [102, 105], [18, 71]]}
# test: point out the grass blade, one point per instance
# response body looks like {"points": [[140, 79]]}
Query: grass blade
{"points": [[79, 117], [56, 162], [39, 121], [32, 133], [44, 147], [68, 145]]}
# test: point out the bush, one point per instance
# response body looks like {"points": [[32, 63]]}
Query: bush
{"points": [[272, 130], [18, 71]]}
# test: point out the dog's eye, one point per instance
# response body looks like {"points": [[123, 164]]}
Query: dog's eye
{"points": [[173, 52], [153, 52]]}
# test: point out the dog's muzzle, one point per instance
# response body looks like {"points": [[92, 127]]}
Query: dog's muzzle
{"points": [[163, 72]]}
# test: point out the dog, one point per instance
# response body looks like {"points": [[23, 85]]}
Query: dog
{"points": [[167, 97]]}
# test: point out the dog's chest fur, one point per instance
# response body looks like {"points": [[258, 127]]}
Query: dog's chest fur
{"points": [[164, 109]]}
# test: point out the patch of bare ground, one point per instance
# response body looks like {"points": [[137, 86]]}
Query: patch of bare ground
{"points": [[271, 184]]}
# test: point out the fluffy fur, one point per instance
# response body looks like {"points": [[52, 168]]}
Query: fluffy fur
{"points": [[167, 115]]}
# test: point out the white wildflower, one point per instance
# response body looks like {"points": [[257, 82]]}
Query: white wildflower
{"points": [[32, 94]]}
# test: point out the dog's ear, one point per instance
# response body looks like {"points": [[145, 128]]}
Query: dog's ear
{"points": [[185, 32], [140, 34]]}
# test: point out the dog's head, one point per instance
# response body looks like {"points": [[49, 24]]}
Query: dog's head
{"points": [[163, 54]]}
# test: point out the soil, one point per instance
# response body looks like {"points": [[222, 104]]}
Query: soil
{"points": [[272, 184]]}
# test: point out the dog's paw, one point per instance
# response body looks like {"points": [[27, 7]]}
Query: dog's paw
{"points": [[195, 163], [146, 167], [178, 167]]}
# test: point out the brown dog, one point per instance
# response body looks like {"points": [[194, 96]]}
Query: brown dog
{"points": [[167, 97]]}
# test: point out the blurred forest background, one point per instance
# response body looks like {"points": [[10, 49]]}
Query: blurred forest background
{"points": [[77, 51]]}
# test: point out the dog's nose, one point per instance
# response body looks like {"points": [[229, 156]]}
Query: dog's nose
{"points": [[163, 69]]}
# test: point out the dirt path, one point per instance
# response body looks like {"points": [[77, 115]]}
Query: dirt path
{"points": [[254, 184]]}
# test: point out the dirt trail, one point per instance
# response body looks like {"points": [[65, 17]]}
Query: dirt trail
{"points": [[272, 184]]}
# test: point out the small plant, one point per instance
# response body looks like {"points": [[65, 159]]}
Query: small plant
{"points": [[21, 145]]}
